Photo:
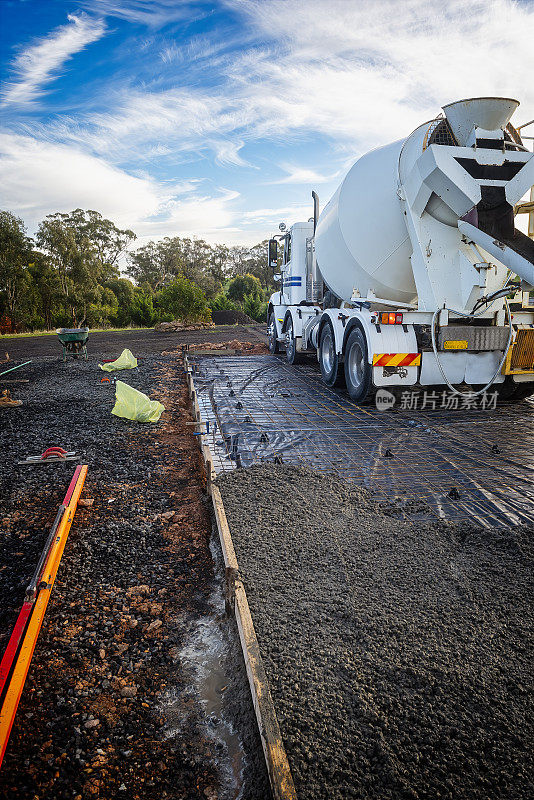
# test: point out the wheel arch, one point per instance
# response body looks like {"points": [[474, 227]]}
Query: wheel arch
{"points": [[356, 322], [330, 317], [359, 372], [288, 316], [292, 314]]}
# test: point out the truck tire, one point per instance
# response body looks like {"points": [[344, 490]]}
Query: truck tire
{"points": [[512, 392], [358, 373], [274, 347], [292, 355], [328, 358]]}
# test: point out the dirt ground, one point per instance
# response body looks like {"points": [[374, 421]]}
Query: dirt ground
{"points": [[135, 688], [399, 652], [141, 342]]}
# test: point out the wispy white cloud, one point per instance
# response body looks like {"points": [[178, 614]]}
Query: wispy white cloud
{"points": [[149, 207], [175, 118], [303, 175], [370, 71], [40, 63], [227, 152], [152, 13], [197, 49], [360, 75], [271, 216]]}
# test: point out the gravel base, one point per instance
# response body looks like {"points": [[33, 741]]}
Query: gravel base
{"points": [[141, 342], [399, 653], [97, 717]]}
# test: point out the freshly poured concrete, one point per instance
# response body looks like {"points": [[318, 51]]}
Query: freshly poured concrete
{"points": [[397, 650]]}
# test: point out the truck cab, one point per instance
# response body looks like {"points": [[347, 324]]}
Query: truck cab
{"points": [[300, 288]]}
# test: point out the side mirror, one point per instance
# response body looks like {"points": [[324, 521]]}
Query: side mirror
{"points": [[273, 253]]}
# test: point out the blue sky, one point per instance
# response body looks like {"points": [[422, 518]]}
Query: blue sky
{"points": [[216, 118]]}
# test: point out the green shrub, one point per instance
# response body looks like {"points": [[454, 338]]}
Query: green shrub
{"points": [[221, 302], [185, 301], [142, 311], [36, 323], [122, 317], [61, 319], [244, 285], [255, 307]]}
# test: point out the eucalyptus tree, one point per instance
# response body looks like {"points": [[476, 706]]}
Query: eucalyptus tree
{"points": [[84, 249], [46, 288], [159, 263], [108, 241], [15, 248]]}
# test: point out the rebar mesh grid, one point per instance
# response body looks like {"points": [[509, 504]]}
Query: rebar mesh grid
{"points": [[463, 464]]}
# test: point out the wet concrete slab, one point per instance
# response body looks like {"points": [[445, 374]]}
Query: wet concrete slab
{"points": [[398, 651]]}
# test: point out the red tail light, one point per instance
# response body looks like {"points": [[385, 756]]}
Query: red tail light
{"points": [[390, 318]]}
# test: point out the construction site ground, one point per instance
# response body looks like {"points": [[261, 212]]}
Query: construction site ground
{"points": [[387, 560], [467, 458], [140, 342], [137, 687], [396, 643]]}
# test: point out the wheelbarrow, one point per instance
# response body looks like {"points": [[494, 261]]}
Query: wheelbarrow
{"points": [[74, 341]]}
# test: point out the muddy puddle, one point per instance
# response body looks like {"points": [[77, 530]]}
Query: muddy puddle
{"points": [[204, 660], [217, 696]]}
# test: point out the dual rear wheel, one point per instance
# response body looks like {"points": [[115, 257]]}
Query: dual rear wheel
{"points": [[356, 368], [358, 371]]}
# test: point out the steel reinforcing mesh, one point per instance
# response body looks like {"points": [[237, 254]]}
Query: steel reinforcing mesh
{"points": [[462, 463]]}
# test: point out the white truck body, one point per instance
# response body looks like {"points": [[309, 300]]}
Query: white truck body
{"points": [[421, 230]]}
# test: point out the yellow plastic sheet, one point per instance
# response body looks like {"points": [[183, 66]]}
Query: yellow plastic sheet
{"points": [[131, 404], [126, 360]]}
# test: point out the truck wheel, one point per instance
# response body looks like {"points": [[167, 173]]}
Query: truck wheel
{"points": [[357, 368], [292, 355], [513, 392], [328, 358], [274, 347]]}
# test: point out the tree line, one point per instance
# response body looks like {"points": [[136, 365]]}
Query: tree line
{"points": [[73, 273]]}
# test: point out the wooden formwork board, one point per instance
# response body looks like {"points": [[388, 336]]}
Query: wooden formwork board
{"points": [[276, 760]]}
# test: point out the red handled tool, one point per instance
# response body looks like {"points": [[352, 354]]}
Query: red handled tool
{"points": [[51, 455]]}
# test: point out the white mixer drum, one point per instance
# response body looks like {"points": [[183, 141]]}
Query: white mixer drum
{"points": [[361, 242]]}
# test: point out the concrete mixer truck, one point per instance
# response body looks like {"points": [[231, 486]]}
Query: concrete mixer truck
{"points": [[414, 272]]}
